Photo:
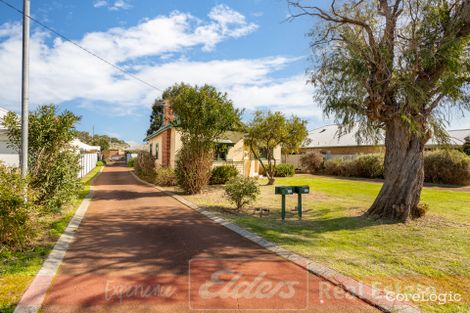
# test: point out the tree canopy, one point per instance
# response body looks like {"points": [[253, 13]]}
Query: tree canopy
{"points": [[156, 118], [393, 65], [268, 130]]}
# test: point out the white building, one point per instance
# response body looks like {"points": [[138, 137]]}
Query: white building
{"points": [[8, 156]]}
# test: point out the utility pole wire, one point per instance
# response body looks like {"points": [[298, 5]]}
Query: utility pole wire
{"points": [[82, 48]]}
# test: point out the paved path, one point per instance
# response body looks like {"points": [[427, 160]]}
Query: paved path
{"points": [[132, 254]]}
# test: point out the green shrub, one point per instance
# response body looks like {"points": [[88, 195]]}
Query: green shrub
{"points": [[368, 166], [55, 179], [333, 167], [447, 167], [222, 174], [165, 176], [312, 162], [241, 191], [17, 216], [54, 166], [101, 163], [284, 170], [131, 162], [193, 167], [144, 166]]}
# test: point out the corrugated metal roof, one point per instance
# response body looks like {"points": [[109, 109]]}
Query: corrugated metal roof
{"points": [[330, 136]]}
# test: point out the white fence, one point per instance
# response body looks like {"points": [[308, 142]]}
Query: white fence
{"points": [[87, 163]]}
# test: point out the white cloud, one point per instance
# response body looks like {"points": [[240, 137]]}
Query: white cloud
{"points": [[112, 5], [61, 72]]}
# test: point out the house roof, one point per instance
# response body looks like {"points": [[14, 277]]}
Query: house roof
{"points": [[330, 136], [158, 132]]}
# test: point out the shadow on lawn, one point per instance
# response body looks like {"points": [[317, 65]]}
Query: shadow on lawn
{"points": [[273, 228]]}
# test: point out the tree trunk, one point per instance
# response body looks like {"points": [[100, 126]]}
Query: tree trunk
{"points": [[404, 174]]}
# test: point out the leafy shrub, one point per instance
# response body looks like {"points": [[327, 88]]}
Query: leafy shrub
{"points": [[280, 170], [241, 191], [144, 166], [165, 176], [334, 167], [368, 166], [193, 167], [222, 174], [131, 162], [447, 167], [284, 170], [16, 215], [54, 166], [312, 162], [101, 163], [55, 179]]}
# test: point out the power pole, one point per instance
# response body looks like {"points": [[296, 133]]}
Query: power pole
{"points": [[25, 90]]}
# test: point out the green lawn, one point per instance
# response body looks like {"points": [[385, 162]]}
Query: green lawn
{"points": [[432, 252], [17, 269]]}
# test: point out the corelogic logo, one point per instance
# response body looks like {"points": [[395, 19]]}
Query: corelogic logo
{"points": [[247, 284]]}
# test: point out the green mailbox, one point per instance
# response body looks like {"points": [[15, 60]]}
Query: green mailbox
{"points": [[300, 190], [283, 191]]}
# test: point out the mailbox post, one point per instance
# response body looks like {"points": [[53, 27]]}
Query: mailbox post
{"points": [[300, 190], [283, 191]]}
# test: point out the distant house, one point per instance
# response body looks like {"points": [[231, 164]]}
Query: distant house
{"points": [[8, 156], [165, 143], [332, 143]]}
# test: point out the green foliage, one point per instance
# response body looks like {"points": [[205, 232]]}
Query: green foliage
{"points": [[193, 167], [131, 162], [17, 216], [297, 135], [312, 161], [101, 163], [366, 166], [165, 176], [284, 170], [202, 114], [447, 167], [144, 166], [241, 191], [105, 142], [466, 146], [264, 133], [53, 164], [156, 118], [221, 174]]}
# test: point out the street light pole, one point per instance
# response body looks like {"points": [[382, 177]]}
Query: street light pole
{"points": [[25, 90]]}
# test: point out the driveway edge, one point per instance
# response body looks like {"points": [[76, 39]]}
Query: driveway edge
{"points": [[33, 297], [368, 294]]}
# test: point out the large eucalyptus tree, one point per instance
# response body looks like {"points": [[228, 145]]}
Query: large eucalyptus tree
{"points": [[393, 66]]}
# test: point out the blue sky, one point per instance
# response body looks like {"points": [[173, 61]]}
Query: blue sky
{"points": [[243, 47]]}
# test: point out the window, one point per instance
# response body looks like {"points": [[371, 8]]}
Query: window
{"points": [[151, 148], [220, 152], [263, 153], [157, 148]]}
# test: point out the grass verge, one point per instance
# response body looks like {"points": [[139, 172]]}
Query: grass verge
{"points": [[427, 256], [18, 268]]}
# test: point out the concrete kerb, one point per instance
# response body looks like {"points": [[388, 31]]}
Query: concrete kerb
{"points": [[370, 295], [34, 296]]}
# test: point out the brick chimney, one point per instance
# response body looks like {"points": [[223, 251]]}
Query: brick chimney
{"points": [[168, 115]]}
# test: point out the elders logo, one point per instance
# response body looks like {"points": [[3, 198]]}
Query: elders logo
{"points": [[221, 284]]}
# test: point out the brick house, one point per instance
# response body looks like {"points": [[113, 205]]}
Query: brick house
{"points": [[165, 143]]}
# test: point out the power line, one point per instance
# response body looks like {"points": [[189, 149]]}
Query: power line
{"points": [[82, 48]]}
